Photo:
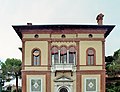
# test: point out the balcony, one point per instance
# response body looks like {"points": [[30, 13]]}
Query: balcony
{"points": [[63, 67]]}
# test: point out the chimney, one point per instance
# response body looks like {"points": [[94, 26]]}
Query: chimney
{"points": [[99, 19], [29, 24]]}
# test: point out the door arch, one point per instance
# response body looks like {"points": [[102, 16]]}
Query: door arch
{"points": [[63, 89]]}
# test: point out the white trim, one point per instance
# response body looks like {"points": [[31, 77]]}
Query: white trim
{"points": [[59, 57], [67, 56], [53, 59], [67, 85], [31, 85]]}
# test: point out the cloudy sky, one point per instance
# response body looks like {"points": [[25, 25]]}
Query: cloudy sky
{"points": [[20, 12]]}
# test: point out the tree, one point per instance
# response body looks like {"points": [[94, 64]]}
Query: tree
{"points": [[116, 56], [109, 65], [108, 60], [12, 70], [113, 72], [113, 64], [116, 60]]}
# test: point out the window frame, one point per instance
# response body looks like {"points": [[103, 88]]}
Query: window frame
{"points": [[75, 54], [64, 56], [66, 61], [33, 56], [51, 54], [94, 57]]}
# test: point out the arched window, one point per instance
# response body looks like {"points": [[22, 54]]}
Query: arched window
{"points": [[36, 57], [72, 55], [91, 56], [54, 53], [63, 55]]}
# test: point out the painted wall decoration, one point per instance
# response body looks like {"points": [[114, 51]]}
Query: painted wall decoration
{"points": [[90, 85], [36, 85]]}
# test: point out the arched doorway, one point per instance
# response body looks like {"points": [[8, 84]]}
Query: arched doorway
{"points": [[63, 89], [63, 84]]}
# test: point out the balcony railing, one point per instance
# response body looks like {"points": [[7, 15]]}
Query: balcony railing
{"points": [[60, 67]]}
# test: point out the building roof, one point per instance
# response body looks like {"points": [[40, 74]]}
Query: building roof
{"points": [[20, 28]]}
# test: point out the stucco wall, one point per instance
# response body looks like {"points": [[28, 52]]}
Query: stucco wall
{"points": [[66, 35], [84, 45], [32, 35], [94, 35], [42, 45]]}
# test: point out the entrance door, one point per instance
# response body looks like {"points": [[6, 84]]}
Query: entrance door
{"points": [[63, 89]]}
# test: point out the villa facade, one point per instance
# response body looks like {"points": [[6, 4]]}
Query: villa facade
{"points": [[63, 58]]}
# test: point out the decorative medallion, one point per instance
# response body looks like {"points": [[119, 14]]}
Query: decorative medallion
{"points": [[91, 85], [36, 85]]}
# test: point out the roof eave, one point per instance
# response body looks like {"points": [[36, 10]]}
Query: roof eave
{"points": [[20, 28]]}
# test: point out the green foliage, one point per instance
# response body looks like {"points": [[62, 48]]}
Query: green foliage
{"points": [[108, 60], [113, 71], [113, 64], [113, 87], [11, 70], [116, 56], [4, 91], [19, 90]]}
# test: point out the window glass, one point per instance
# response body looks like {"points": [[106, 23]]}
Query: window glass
{"points": [[89, 60], [63, 55], [72, 55], [36, 57], [55, 55], [92, 60], [90, 56]]}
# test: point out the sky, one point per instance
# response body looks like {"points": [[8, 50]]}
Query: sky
{"points": [[37, 12]]}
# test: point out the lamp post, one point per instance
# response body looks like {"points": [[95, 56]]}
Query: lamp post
{"points": [[1, 80]]}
